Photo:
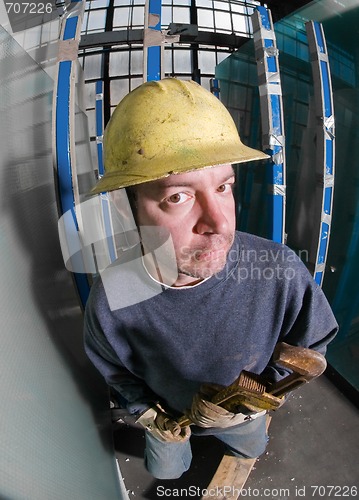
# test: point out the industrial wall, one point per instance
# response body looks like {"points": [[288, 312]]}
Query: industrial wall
{"points": [[55, 433]]}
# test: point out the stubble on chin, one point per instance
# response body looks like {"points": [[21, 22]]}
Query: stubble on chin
{"points": [[194, 264]]}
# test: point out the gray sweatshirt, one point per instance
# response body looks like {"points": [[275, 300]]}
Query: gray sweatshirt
{"points": [[156, 343]]}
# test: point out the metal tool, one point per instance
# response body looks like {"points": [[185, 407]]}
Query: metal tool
{"points": [[306, 364], [251, 391]]}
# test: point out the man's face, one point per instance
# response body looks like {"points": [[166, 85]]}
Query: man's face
{"points": [[197, 209]]}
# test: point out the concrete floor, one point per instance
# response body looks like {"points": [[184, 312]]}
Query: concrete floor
{"points": [[313, 446]]}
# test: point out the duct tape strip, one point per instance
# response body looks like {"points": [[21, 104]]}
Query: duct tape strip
{"points": [[322, 57], [271, 141], [261, 34], [320, 268], [267, 77], [99, 139], [276, 140], [154, 38], [99, 97], [329, 122], [153, 20], [329, 181], [326, 218], [329, 134], [325, 180], [271, 51], [315, 56], [68, 50], [270, 88], [171, 38], [273, 77], [278, 158], [277, 189]]}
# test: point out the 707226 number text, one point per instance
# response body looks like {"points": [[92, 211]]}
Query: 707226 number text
{"points": [[28, 8]]}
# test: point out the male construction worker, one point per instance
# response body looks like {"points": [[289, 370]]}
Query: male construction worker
{"points": [[195, 302]]}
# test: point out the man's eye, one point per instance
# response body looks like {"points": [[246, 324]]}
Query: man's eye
{"points": [[223, 188], [177, 198]]}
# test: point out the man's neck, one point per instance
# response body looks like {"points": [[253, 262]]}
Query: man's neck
{"points": [[185, 280], [166, 276]]}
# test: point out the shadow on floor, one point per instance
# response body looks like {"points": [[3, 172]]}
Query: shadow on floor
{"points": [[314, 442], [129, 445]]}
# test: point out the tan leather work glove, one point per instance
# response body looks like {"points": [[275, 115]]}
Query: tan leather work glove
{"points": [[206, 414], [162, 426]]}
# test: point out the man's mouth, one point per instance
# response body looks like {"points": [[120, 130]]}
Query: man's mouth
{"points": [[210, 254]]}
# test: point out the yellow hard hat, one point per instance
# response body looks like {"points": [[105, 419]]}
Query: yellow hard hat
{"points": [[167, 127]]}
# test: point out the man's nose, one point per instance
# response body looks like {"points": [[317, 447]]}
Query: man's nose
{"points": [[212, 217]]}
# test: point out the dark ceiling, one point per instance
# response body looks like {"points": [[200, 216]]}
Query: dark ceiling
{"points": [[281, 8]]}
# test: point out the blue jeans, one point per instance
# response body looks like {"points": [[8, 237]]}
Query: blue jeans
{"points": [[171, 460]]}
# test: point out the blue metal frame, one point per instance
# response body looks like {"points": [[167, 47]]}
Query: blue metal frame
{"points": [[270, 91], [214, 85], [99, 126], [64, 153], [325, 144], [101, 170], [152, 54]]}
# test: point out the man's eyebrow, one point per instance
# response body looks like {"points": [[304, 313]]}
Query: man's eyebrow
{"points": [[228, 177], [172, 183]]}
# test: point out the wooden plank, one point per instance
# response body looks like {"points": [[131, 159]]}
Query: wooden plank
{"points": [[230, 477]]}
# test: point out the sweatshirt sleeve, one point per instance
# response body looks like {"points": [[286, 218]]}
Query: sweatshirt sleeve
{"points": [[137, 395], [309, 320]]}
